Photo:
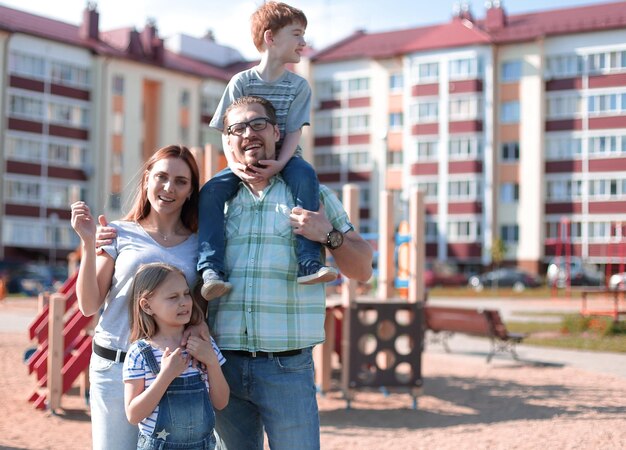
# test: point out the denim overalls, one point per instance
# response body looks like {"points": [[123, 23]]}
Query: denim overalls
{"points": [[186, 418]]}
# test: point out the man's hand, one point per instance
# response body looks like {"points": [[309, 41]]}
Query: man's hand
{"points": [[311, 224], [104, 233]]}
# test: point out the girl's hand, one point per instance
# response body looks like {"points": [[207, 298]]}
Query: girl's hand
{"points": [[173, 363], [82, 221], [202, 351]]}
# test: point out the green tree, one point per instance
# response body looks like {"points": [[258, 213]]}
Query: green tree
{"points": [[498, 252]]}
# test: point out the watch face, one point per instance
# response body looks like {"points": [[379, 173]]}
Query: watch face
{"points": [[335, 239]]}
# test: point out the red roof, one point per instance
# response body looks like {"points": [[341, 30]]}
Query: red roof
{"points": [[524, 27], [462, 32], [112, 43]]}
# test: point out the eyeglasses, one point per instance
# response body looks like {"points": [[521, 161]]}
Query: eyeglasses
{"points": [[258, 124]]}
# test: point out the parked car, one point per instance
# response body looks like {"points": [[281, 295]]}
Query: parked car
{"points": [[580, 273], [32, 279], [505, 277], [439, 273], [617, 281]]}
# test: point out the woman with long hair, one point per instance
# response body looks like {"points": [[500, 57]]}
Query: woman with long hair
{"points": [[161, 226]]}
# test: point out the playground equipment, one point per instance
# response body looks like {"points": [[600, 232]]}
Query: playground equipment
{"points": [[381, 340], [63, 349]]}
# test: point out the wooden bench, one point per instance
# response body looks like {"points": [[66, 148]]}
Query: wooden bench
{"points": [[445, 321]]}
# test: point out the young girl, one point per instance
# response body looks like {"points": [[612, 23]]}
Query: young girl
{"points": [[164, 393]]}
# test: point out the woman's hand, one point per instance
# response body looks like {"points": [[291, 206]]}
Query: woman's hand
{"points": [[83, 223]]}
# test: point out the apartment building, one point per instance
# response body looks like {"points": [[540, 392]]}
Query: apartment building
{"points": [[512, 125], [81, 110]]}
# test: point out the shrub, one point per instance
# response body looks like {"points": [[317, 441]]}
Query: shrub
{"points": [[575, 324]]}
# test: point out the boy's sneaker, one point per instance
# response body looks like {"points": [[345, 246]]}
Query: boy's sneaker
{"points": [[213, 285], [312, 272]]}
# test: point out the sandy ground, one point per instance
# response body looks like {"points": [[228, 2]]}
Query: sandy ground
{"points": [[466, 403]]}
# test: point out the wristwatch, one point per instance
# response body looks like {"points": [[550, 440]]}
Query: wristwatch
{"points": [[334, 239]]}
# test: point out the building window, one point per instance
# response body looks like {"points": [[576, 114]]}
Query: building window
{"points": [[509, 151], [465, 108], [509, 234], [327, 161], [465, 68], [27, 107], [427, 150], [431, 231], [70, 74], [465, 148], [563, 147], [430, 189], [427, 72], [559, 106], [115, 201], [394, 158], [358, 123], [27, 65], [564, 66], [396, 81], [426, 111], [358, 87], [509, 193], [464, 231], [357, 158], [464, 190], [563, 190], [184, 98], [511, 71], [118, 85], [395, 120], [68, 114], [606, 104], [509, 112], [606, 62]]}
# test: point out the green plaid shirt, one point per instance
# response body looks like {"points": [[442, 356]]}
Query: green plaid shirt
{"points": [[267, 310]]}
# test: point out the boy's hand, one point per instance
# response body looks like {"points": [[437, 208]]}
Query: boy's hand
{"points": [[244, 173], [270, 168], [173, 363]]}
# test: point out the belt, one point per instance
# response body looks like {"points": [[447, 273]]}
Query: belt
{"points": [[112, 355], [264, 354]]}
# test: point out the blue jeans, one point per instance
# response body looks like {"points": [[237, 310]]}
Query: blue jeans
{"points": [[109, 426], [276, 394], [304, 185], [185, 420]]}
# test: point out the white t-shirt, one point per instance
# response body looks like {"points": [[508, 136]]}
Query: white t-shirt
{"points": [[133, 247]]}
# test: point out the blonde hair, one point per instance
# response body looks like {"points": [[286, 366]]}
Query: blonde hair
{"points": [[147, 279], [273, 16]]}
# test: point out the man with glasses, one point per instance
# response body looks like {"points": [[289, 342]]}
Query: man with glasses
{"points": [[268, 323]]}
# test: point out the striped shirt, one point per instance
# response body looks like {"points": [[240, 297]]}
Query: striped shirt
{"points": [[267, 310], [135, 367], [290, 95]]}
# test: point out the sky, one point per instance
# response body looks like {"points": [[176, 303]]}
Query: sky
{"points": [[329, 20]]}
